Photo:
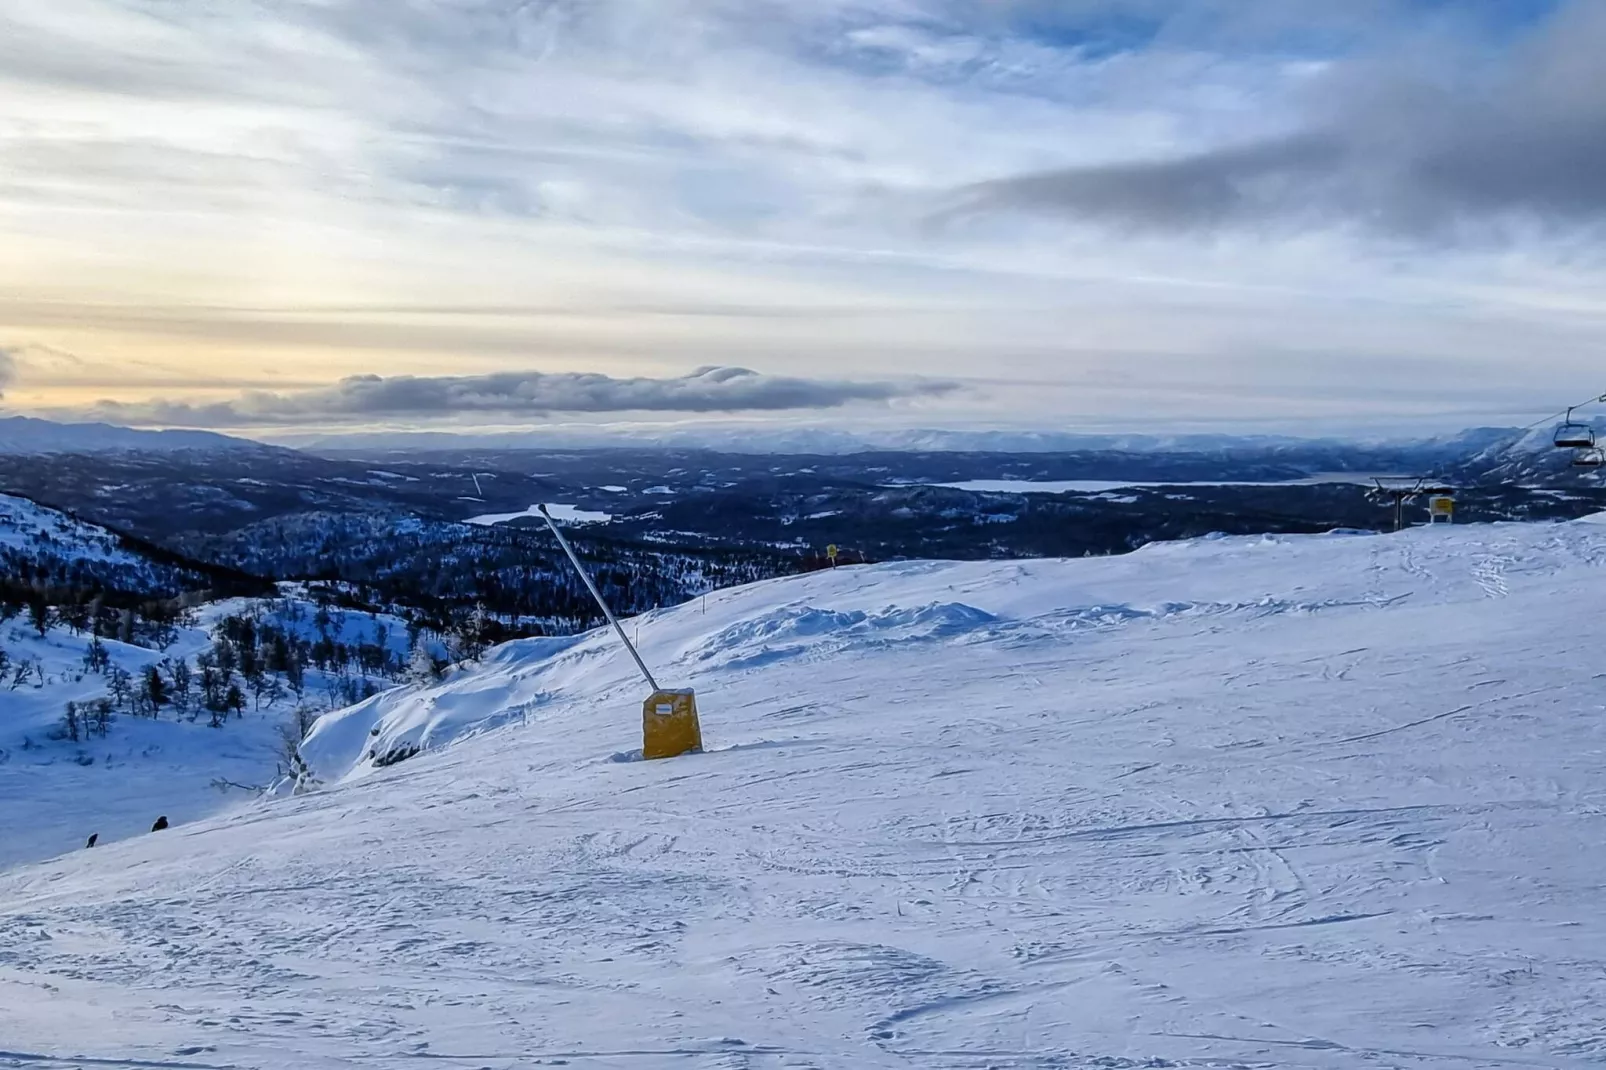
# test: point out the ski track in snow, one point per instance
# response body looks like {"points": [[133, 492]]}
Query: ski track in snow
{"points": [[1265, 803]]}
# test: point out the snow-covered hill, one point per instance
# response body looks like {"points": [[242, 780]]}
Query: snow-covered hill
{"points": [[56, 792], [124, 760], [1327, 801], [28, 529], [58, 556], [128, 693], [85, 614]]}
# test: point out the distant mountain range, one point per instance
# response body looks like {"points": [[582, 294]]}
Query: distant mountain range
{"points": [[835, 442], [1482, 454], [25, 434]]}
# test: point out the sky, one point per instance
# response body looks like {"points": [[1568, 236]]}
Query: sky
{"points": [[286, 216]]}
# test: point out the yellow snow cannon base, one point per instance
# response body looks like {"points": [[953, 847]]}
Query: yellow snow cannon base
{"points": [[669, 725]]}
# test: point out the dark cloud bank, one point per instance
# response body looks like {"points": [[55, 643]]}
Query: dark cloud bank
{"points": [[516, 395], [1448, 145]]}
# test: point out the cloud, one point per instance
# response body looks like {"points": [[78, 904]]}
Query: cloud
{"points": [[1461, 144], [516, 395], [1209, 188], [8, 369], [296, 191]]}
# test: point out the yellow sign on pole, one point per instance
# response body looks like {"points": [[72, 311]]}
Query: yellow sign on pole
{"points": [[1441, 509], [669, 724], [830, 552]]}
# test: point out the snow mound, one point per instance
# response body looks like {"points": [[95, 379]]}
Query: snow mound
{"points": [[797, 630], [396, 725]]}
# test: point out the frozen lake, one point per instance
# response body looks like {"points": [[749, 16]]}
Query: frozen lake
{"points": [[568, 514], [1099, 486]]}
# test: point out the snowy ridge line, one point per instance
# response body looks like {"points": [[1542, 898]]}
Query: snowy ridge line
{"points": [[798, 628], [29, 527], [29, 435]]}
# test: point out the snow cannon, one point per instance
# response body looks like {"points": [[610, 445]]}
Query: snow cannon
{"points": [[669, 725]]}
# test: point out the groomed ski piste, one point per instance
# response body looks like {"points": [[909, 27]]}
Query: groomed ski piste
{"points": [[1324, 801]]}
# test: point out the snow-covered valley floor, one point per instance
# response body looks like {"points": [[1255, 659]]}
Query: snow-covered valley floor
{"points": [[1283, 802]]}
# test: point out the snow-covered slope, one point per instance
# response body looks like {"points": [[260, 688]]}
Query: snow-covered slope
{"points": [[28, 528], [1531, 459], [1259, 802], [177, 760], [42, 548], [55, 793]]}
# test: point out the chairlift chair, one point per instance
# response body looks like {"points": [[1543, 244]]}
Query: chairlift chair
{"points": [[1574, 436], [1593, 457]]}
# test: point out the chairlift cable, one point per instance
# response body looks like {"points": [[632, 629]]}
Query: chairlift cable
{"points": [[1599, 399], [1590, 455]]}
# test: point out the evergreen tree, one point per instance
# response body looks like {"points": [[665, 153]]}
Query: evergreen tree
{"points": [[155, 689], [121, 686], [96, 657], [276, 657], [101, 715], [39, 615], [471, 634], [250, 663], [295, 675], [179, 672], [422, 668], [75, 615]]}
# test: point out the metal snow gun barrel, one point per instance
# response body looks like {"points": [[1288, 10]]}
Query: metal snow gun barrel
{"points": [[669, 725]]}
